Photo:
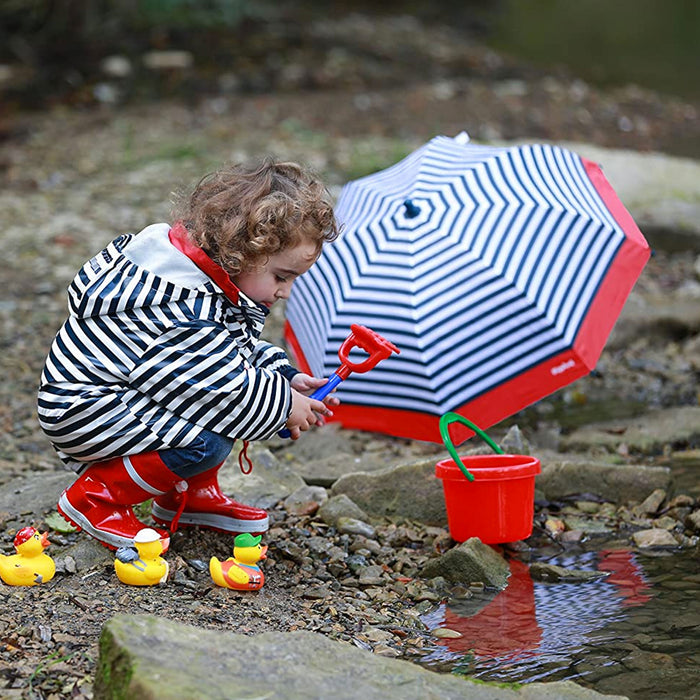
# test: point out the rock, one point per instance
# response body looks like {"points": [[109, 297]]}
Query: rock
{"points": [[340, 506], [654, 537], [682, 500], [555, 526], [656, 317], [326, 471], [661, 192], [652, 502], [515, 443], [646, 434], [409, 491], [371, 575], [269, 482], [675, 682], [445, 633], [469, 562], [541, 571], [639, 660], [116, 66], [588, 526], [88, 553], [693, 521], [614, 482], [306, 500], [167, 60], [665, 523], [353, 526], [149, 657], [572, 536], [27, 499]]}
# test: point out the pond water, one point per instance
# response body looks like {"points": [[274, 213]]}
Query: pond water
{"points": [[634, 632], [650, 43], [653, 43]]}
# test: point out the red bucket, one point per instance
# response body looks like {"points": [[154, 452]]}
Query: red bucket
{"points": [[491, 497]]}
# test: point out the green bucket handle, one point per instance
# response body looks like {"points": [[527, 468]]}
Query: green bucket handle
{"points": [[451, 417]]}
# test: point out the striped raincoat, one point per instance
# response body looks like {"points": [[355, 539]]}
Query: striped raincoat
{"points": [[159, 345]]}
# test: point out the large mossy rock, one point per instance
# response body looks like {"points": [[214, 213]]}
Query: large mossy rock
{"points": [[617, 483], [152, 658], [407, 491]]}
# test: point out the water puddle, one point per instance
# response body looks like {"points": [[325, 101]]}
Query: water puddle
{"points": [[629, 631], [634, 632]]}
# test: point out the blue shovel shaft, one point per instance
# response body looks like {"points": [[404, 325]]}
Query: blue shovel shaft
{"points": [[319, 395]]}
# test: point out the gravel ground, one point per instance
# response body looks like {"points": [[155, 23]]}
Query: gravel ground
{"points": [[74, 177]]}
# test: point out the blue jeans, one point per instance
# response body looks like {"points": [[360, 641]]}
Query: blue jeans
{"points": [[208, 450]]}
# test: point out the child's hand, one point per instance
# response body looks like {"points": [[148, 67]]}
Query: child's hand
{"points": [[305, 413], [305, 384]]}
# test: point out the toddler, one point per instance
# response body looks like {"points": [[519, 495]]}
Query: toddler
{"points": [[160, 367]]}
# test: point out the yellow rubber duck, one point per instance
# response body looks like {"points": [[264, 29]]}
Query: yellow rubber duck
{"points": [[142, 565], [30, 566], [240, 571]]}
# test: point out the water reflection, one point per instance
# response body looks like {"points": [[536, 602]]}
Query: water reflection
{"points": [[532, 630], [503, 625]]}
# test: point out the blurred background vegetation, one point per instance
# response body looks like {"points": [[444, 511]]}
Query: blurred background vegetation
{"points": [[57, 49]]}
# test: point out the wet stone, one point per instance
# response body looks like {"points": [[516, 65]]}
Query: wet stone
{"points": [[653, 501], [693, 521], [356, 562], [654, 537], [340, 506], [372, 575], [541, 571], [352, 526]]}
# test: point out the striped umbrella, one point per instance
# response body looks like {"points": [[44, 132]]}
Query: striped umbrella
{"points": [[498, 272]]}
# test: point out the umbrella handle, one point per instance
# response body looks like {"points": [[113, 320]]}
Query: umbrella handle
{"points": [[452, 417]]}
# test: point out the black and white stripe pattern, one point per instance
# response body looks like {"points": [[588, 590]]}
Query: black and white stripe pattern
{"points": [[477, 262], [143, 363]]}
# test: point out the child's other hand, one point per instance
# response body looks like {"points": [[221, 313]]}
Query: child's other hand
{"points": [[305, 413], [305, 384]]}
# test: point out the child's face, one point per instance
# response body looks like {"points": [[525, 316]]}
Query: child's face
{"points": [[273, 281]]}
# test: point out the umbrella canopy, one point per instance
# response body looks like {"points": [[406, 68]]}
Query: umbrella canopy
{"points": [[499, 272]]}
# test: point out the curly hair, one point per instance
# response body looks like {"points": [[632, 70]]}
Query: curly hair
{"points": [[243, 214]]}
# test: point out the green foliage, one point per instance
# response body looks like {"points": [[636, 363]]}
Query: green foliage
{"points": [[197, 13], [50, 660], [43, 30], [143, 510], [58, 523], [367, 158]]}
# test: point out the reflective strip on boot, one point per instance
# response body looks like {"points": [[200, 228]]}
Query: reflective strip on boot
{"points": [[213, 520], [138, 480]]}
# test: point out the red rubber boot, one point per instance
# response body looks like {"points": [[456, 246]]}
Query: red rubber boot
{"points": [[202, 503], [99, 501]]}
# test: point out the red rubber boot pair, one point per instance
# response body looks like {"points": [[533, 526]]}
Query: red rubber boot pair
{"points": [[100, 501]]}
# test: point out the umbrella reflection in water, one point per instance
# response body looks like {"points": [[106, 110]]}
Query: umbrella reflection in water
{"points": [[528, 625]]}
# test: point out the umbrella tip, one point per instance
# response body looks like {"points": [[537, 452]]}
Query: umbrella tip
{"points": [[462, 138], [411, 209]]}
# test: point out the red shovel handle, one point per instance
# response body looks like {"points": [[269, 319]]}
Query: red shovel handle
{"points": [[377, 347]]}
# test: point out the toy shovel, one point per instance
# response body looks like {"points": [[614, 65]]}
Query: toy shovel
{"points": [[377, 348]]}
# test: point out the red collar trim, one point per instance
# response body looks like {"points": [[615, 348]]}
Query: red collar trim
{"points": [[180, 239]]}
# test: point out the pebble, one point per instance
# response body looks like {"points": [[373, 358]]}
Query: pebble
{"points": [[352, 526], [652, 502], [654, 537], [446, 633], [371, 575]]}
